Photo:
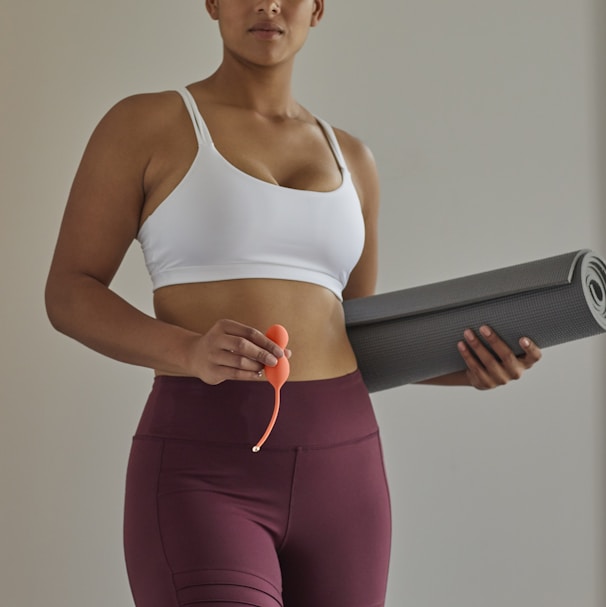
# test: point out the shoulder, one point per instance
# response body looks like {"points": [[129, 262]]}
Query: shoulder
{"points": [[362, 166], [143, 105], [137, 128], [356, 152], [141, 116]]}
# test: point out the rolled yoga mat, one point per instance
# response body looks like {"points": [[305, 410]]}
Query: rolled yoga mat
{"points": [[411, 335]]}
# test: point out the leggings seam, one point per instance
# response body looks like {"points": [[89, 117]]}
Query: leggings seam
{"points": [[231, 602], [384, 471], [230, 585], [311, 447], [250, 573], [386, 481], [291, 500], [172, 573]]}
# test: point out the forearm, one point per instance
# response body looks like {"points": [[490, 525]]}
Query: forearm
{"points": [[89, 312]]}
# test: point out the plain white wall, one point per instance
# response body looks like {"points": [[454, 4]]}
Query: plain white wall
{"points": [[486, 122]]}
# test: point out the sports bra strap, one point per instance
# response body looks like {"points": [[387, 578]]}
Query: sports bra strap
{"points": [[200, 128], [334, 144]]}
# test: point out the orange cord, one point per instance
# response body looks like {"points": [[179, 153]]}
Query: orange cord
{"points": [[277, 377]]}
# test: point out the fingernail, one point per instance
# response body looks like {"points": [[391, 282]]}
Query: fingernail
{"points": [[272, 361], [485, 331], [469, 334], [525, 342]]}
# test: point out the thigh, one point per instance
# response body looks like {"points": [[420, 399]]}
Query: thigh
{"points": [[194, 534], [337, 550]]}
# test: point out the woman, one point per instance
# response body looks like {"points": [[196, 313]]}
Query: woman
{"points": [[250, 212]]}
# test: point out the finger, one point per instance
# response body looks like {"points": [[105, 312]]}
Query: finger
{"points": [[511, 363], [223, 373], [488, 359], [250, 342], [532, 352], [262, 341], [514, 364], [476, 372], [234, 360], [241, 348]]}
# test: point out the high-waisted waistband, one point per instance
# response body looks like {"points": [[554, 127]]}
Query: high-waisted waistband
{"points": [[315, 413]]}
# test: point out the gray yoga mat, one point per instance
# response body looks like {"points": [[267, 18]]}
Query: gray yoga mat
{"points": [[410, 335]]}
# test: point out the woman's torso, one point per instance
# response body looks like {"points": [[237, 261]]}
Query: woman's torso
{"points": [[289, 152]]}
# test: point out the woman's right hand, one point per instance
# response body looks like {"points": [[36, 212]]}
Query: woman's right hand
{"points": [[232, 350]]}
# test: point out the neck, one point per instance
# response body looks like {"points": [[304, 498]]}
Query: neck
{"points": [[265, 90]]}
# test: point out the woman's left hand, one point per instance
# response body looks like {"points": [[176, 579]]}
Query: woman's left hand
{"points": [[488, 369]]}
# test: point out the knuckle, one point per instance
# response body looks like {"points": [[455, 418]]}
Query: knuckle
{"points": [[251, 333], [516, 374], [493, 380], [212, 379], [240, 343], [264, 357], [478, 385]]}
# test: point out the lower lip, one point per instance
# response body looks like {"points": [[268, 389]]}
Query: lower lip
{"points": [[266, 34]]}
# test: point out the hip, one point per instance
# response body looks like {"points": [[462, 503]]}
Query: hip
{"points": [[314, 413]]}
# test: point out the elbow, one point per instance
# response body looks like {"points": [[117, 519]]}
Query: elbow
{"points": [[52, 309], [56, 305]]}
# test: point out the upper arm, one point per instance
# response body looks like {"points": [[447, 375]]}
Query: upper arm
{"points": [[103, 208], [363, 279]]}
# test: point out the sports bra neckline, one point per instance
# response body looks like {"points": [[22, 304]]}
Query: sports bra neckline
{"points": [[204, 137]]}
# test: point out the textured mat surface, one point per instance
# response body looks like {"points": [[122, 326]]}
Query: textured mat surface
{"points": [[410, 335]]}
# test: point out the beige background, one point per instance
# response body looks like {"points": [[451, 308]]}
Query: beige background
{"points": [[485, 120]]}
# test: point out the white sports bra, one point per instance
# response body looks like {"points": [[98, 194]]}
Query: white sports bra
{"points": [[220, 223]]}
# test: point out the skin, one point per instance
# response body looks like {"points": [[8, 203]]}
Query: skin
{"points": [[141, 150]]}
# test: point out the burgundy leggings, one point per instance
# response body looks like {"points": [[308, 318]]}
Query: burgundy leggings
{"points": [[303, 523]]}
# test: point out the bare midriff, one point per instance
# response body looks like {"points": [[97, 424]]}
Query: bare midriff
{"points": [[312, 315]]}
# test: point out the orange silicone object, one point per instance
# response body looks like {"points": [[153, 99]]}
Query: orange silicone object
{"points": [[277, 377]]}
